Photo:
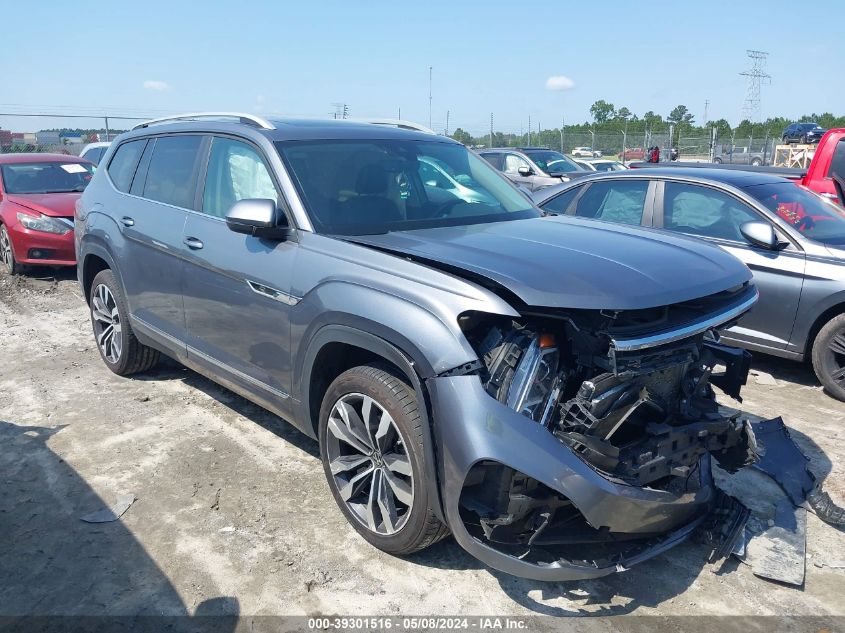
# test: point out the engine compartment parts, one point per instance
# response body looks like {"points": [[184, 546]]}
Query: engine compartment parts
{"points": [[644, 421]]}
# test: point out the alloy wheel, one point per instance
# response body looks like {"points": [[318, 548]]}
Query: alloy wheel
{"points": [[107, 327], [836, 358], [369, 463], [6, 255]]}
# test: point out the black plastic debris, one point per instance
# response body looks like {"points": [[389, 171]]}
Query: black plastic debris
{"points": [[724, 526], [825, 508], [782, 460]]}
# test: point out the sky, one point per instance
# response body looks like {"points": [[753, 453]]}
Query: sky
{"points": [[298, 58]]}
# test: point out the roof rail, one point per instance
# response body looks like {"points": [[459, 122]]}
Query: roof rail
{"points": [[249, 119], [406, 125]]}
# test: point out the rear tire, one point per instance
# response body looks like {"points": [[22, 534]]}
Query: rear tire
{"points": [[390, 506], [717, 161], [7, 256], [119, 348], [829, 357], [756, 162]]}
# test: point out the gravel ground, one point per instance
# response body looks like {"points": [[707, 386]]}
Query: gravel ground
{"points": [[233, 514]]}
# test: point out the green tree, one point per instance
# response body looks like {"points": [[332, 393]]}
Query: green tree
{"points": [[680, 114], [602, 111], [652, 120], [623, 113], [462, 137]]}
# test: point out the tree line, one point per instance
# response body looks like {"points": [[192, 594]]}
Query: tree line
{"points": [[608, 119]]}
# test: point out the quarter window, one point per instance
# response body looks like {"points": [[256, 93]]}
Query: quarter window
{"points": [[235, 172], [614, 201], [171, 174], [560, 203], [124, 162], [704, 211]]}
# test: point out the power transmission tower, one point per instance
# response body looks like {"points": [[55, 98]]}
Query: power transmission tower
{"points": [[341, 110], [757, 75]]}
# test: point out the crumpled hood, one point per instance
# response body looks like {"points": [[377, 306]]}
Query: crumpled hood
{"points": [[59, 205], [561, 262]]}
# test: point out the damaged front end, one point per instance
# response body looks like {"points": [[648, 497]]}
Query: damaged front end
{"points": [[582, 442]]}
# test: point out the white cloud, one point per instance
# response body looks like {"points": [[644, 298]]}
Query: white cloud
{"points": [[559, 82], [152, 84]]}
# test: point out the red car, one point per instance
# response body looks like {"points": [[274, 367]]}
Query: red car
{"points": [[632, 153], [38, 194]]}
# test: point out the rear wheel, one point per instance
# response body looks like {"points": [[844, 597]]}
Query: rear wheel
{"points": [[118, 346], [829, 357], [371, 444], [756, 162], [6, 255], [717, 160]]}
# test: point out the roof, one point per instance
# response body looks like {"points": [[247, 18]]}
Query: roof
{"points": [[35, 157], [735, 177], [731, 177], [316, 129], [289, 129]]}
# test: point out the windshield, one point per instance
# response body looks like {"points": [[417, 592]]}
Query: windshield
{"points": [[52, 177], [808, 212], [370, 186], [553, 162]]}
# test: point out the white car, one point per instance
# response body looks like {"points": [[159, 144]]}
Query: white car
{"points": [[586, 152], [601, 165], [94, 151]]}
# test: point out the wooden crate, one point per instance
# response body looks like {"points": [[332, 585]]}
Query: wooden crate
{"points": [[798, 156]]}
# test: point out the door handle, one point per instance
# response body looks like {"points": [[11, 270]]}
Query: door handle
{"points": [[192, 243], [127, 221]]}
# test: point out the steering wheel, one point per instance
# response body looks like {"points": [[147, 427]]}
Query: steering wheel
{"points": [[443, 211], [807, 222]]}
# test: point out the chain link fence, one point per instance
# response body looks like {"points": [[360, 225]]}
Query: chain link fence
{"points": [[57, 133]]}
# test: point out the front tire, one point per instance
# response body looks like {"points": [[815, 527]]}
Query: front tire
{"points": [[717, 161], [829, 357], [7, 256], [371, 444], [756, 162], [119, 348]]}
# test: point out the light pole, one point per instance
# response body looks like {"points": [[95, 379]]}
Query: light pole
{"points": [[429, 96]]}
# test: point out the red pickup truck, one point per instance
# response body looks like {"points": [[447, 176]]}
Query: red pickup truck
{"points": [[829, 159]]}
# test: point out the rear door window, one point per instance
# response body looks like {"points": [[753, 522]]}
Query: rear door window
{"points": [[494, 159], [621, 201], [122, 166], [837, 163], [171, 176]]}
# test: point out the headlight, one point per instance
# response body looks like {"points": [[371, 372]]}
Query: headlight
{"points": [[534, 388], [43, 223]]}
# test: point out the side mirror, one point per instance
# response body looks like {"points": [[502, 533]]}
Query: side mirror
{"points": [[258, 217], [761, 234], [524, 170]]}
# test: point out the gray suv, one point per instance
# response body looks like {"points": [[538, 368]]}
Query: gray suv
{"points": [[540, 387], [533, 167]]}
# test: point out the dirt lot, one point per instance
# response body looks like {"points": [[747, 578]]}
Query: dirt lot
{"points": [[232, 507]]}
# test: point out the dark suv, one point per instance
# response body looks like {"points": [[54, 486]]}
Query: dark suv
{"points": [[539, 386], [803, 133]]}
